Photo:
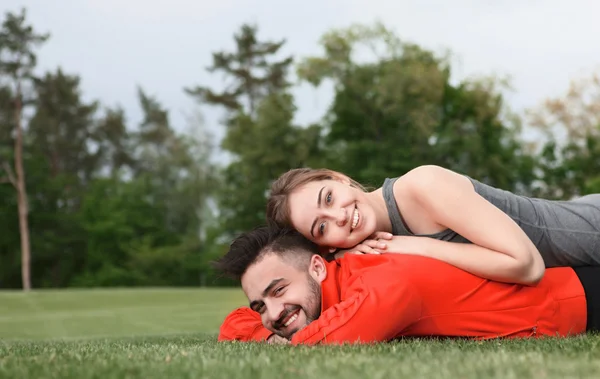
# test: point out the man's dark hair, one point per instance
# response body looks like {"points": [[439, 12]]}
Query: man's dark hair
{"points": [[250, 247]]}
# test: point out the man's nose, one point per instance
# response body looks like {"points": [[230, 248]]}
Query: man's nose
{"points": [[274, 312]]}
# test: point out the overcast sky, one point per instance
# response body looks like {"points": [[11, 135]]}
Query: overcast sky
{"points": [[164, 46]]}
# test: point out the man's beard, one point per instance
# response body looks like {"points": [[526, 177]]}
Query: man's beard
{"points": [[315, 294], [312, 310]]}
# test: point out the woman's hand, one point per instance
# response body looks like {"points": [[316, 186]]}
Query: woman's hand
{"points": [[412, 245], [278, 340], [372, 245], [381, 236]]}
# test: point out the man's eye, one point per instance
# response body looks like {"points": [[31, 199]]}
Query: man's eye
{"points": [[322, 228], [278, 290]]}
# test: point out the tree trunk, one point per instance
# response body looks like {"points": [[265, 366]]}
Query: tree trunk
{"points": [[22, 196]]}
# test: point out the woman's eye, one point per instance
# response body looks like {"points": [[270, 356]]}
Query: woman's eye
{"points": [[328, 198], [322, 228]]}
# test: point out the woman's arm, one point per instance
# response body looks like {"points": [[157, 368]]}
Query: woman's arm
{"points": [[500, 251]]}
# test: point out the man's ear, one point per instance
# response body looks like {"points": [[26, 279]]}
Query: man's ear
{"points": [[317, 268]]}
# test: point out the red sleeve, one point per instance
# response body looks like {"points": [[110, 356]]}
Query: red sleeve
{"points": [[243, 324], [376, 307]]}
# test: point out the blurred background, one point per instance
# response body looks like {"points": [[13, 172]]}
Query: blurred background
{"points": [[137, 138]]}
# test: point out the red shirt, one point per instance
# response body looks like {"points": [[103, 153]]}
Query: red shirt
{"points": [[370, 298]]}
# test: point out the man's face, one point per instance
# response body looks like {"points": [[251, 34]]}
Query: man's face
{"points": [[287, 298]]}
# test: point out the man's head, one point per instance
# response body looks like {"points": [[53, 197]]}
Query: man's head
{"points": [[281, 274]]}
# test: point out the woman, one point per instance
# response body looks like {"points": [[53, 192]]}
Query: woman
{"points": [[483, 230]]}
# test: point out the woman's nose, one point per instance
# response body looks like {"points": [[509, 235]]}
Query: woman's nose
{"points": [[341, 217]]}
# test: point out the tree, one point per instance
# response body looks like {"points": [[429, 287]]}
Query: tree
{"points": [[478, 135], [17, 61], [575, 115], [62, 128], [260, 133], [385, 105], [114, 144], [63, 161], [571, 152], [178, 165], [253, 76], [394, 108], [265, 148], [145, 228]]}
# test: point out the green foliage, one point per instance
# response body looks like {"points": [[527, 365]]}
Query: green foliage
{"points": [[476, 137], [260, 133], [266, 147], [401, 104], [17, 61], [17, 43], [108, 205], [119, 202], [571, 169], [252, 75]]}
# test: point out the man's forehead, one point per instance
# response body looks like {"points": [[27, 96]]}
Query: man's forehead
{"points": [[260, 274]]}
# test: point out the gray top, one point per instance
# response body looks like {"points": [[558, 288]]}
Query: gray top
{"points": [[567, 233]]}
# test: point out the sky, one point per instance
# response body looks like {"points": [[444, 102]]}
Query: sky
{"points": [[164, 46]]}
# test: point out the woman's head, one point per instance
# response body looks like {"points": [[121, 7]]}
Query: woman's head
{"points": [[325, 206]]}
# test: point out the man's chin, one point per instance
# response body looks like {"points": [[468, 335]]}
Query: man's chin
{"points": [[288, 334]]}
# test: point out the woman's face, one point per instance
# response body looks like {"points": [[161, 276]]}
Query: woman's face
{"points": [[331, 213]]}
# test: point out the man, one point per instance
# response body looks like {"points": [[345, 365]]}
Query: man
{"points": [[296, 295]]}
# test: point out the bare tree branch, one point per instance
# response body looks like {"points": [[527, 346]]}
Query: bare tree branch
{"points": [[10, 178]]}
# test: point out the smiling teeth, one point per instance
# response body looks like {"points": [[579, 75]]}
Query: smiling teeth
{"points": [[355, 218], [292, 319]]}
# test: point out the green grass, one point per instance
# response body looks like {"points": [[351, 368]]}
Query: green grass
{"points": [[114, 313], [172, 334]]}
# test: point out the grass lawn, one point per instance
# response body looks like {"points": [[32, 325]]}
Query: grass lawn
{"points": [[171, 333]]}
